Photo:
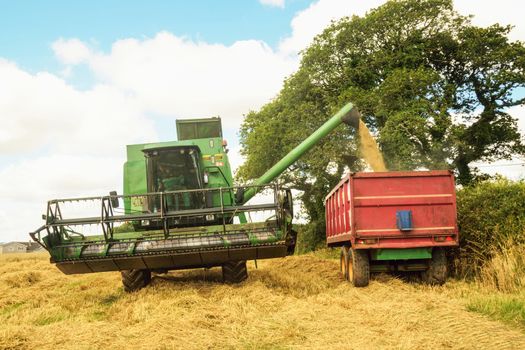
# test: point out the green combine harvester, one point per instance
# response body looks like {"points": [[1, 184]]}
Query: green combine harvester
{"points": [[180, 210]]}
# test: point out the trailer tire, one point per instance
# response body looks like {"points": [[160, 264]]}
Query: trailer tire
{"points": [[437, 271], [134, 280], [234, 271], [344, 262], [359, 269]]}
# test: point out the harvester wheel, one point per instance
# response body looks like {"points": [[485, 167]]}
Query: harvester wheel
{"points": [[234, 271], [437, 271], [344, 262], [359, 269], [134, 280]]}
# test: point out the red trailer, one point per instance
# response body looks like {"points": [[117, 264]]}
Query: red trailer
{"points": [[393, 221]]}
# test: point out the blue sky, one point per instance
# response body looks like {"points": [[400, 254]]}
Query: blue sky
{"points": [[79, 80], [30, 27], [28, 35]]}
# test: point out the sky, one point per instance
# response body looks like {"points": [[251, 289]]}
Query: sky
{"points": [[79, 80]]}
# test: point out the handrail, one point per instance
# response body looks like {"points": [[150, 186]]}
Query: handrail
{"points": [[56, 224]]}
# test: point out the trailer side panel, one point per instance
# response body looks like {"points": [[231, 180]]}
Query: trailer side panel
{"points": [[368, 210]]}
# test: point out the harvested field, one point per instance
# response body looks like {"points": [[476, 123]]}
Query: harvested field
{"points": [[297, 302]]}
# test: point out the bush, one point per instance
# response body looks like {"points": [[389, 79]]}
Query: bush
{"points": [[310, 237], [491, 218]]}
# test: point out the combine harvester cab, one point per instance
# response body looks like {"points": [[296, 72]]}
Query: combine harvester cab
{"points": [[179, 210], [393, 221]]}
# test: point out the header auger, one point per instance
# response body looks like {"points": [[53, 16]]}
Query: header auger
{"points": [[180, 210]]}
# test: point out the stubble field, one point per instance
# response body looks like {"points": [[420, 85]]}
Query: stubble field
{"points": [[298, 302]]}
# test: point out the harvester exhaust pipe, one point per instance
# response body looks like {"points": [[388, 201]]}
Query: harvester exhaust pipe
{"points": [[348, 115]]}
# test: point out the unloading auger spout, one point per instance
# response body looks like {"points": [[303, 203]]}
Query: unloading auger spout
{"points": [[349, 115]]}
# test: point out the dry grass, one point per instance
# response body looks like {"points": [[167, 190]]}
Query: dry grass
{"points": [[297, 302], [505, 271]]}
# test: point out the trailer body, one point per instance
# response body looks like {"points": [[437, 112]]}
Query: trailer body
{"points": [[395, 220]]}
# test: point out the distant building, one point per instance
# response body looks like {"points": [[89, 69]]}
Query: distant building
{"points": [[20, 247]]}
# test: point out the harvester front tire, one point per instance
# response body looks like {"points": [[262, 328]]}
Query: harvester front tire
{"points": [[344, 262], [359, 269], [134, 280], [437, 271], [234, 271]]}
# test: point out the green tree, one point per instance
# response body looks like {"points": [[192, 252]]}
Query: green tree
{"points": [[434, 88]]}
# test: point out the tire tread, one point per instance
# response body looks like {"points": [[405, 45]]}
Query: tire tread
{"points": [[234, 271], [437, 272], [133, 280], [361, 267]]}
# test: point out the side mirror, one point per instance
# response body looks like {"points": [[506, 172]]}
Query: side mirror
{"points": [[114, 199]]}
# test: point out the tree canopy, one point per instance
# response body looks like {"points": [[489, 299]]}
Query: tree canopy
{"points": [[434, 89]]}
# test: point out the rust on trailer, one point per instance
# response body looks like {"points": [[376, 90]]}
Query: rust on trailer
{"points": [[361, 210]]}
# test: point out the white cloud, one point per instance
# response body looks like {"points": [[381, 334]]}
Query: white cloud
{"points": [[72, 51], [311, 21], [487, 13], [273, 3], [518, 112], [174, 76], [513, 168], [235, 158], [26, 186], [43, 111], [307, 23], [49, 176]]}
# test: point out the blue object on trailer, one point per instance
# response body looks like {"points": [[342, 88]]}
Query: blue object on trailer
{"points": [[404, 220]]}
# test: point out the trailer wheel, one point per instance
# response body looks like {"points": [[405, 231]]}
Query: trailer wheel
{"points": [[437, 271], [234, 271], [134, 280], [359, 269], [344, 262]]}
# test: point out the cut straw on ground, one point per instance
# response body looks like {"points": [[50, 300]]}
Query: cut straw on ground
{"points": [[298, 302]]}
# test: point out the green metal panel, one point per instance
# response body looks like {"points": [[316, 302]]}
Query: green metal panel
{"points": [[191, 129], [401, 254], [134, 182]]}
